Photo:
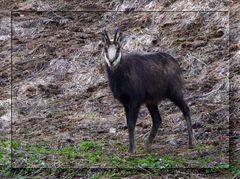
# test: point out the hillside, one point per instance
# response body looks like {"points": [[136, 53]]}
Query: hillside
{"points": [[62, 109]]}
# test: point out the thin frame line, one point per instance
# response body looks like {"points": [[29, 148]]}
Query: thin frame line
{"points": [[11, 87], [113, 11], [229, 123], [91, 11]]}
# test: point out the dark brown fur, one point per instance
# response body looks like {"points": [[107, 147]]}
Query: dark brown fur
{"points": [[145, 79]]}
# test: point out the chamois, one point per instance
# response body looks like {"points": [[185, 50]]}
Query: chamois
{"points": [[137, 79]]}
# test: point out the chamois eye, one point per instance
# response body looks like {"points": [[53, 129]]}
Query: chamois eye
{"points": [[117, 49]]}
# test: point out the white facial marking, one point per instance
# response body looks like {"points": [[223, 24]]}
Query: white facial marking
{"points": [[112, 50], [115, 63], [106, 59]]}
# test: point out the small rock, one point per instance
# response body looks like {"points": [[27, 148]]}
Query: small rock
{"points": [[201, 135], [197, 123], [112, 130], [172, 142], [30, 91], [49, 115], [143, 125], [99, 94], [212, 164], [49, 90], [182, 127], [142, 114], [70, 140]]}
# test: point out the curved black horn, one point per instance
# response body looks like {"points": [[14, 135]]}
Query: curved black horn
{"points": [[116, 35], [105, 35], [120, 37]]}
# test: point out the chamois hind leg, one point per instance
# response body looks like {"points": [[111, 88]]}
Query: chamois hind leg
{"points": [[156, 121], [131, 111], [177, 98]]}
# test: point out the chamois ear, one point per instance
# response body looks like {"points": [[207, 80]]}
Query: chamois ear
{"points": [[105, 38], [120, 38]]}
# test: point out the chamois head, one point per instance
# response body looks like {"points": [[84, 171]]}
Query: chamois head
{"points": [[112, 49]]}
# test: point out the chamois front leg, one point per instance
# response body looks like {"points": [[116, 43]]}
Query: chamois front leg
{"points": [[131, 114]]}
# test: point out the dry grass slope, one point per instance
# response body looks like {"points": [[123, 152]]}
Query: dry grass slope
{"points": [[61, 98]]}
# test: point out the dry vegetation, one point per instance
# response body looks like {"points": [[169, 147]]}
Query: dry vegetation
{"points": [[62, 108]]}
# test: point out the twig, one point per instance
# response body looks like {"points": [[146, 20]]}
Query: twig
{"points": [[207, 94], [5, 67]]}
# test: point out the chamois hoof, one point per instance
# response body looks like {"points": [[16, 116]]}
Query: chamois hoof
{"points": [[131, 151], [190, 146]]}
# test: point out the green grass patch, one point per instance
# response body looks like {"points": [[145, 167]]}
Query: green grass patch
{"points": [[68, 152], [90, 153], [153, 161], [5, 150], [204, 148], [221, 167], [121, 147], [88, 145], [115, 173], [92, 158], [2, 111], [100, 153], [15, 144], [97, 154]]}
